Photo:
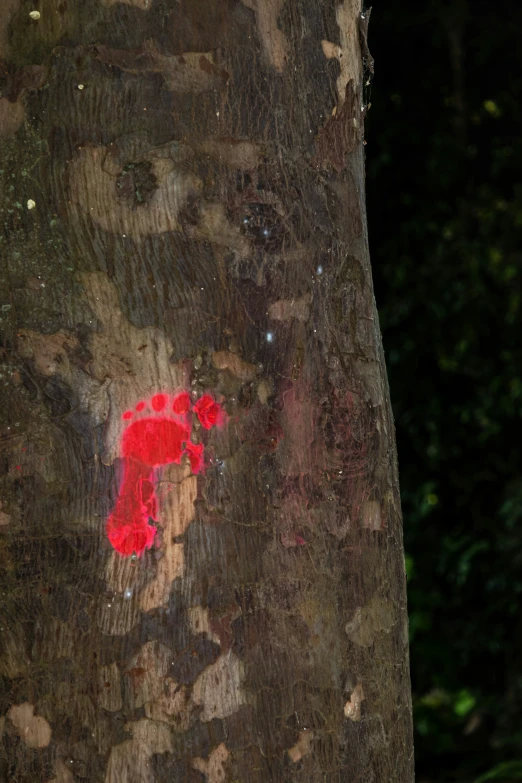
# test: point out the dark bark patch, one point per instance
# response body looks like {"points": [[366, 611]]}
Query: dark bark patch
{"points": [[136, 183], [166, 767], [193, 661], [339, 136], [27, 79]]}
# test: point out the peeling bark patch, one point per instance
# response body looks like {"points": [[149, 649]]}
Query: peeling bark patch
{"points": [[214, 767], [303, 746], [50, 352], [130, 761], [93, 186], [371, 515], [218, 690], [339, 136], [264, 390], [330, 50], [288, 309], [348, 14], [200, 622], [378, 616], [33, 729], [227, 360], [190, 72], [352, 708], [272, 39]]}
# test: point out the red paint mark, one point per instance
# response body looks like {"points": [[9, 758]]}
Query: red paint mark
{"points": [[158, 402], [181, 403], [154, 439], [207, 411]]}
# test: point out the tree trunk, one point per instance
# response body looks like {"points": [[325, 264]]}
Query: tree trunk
{"points": [[201, 556]]}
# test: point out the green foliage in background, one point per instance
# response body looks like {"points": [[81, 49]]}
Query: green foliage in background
{"points": [[444, 162]]}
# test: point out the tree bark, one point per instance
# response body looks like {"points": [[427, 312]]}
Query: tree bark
{"points": [[200, 535]]}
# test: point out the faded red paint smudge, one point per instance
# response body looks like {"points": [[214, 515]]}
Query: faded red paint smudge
{"points": [[195, 455], [149, 442]]}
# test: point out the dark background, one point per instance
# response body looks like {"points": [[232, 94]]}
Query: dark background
{"points": [[444, 191]]}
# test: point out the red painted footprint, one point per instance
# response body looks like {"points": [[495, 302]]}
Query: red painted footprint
{"points": [[157, 434]]}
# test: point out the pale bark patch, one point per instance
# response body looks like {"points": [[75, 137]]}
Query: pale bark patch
{"points": [[109, 685], [350, 60], [130, 762], [273, 41], [200, 622], [378, 616], [227, 360], [219, 688], [176, 514], [33, 729], [214, 767], [63, 775], [264, 390], [146, 672], [93, 176], [352, 708], [174, 706], [190, 72], [371, 515], [288, 309], [49, 352], [134, 362], [117, 616], [331, 50], [303, 746]]}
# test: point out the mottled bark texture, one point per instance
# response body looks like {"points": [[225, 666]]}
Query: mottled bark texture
{"points": [[182, 192]]}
